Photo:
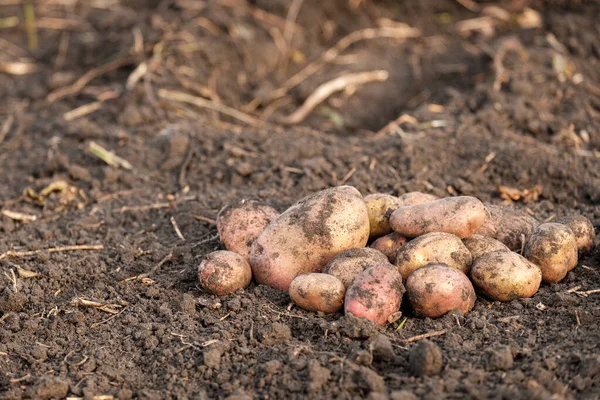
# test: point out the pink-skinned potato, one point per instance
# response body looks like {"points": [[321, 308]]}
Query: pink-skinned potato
{"points": [[389, 245], [309, 234], [380, 207], [583, 230], [414, 198], [507, 225], [552, 247], [348, 264], [479, 245], [223, 272], [318, 292], [375, 294]]}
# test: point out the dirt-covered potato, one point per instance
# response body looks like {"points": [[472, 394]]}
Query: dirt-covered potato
{"points": [[223, 272], [461, 216], [380, 207], [414, 198], [507, 225], [375, 294], [318, 292], [552, 247], [435, 289], [505, 276], [348, 264], [435, 247], [389, 245], [479, 245], [310, 233], [240, 224], [583, 230]]}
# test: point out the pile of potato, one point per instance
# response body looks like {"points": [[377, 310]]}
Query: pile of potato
{"points": [[436, 253]]}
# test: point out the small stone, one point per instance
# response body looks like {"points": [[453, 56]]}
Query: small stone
{"points": [[425, 359], [499, 358], [212, 357], [381, 347], [402, 395]]}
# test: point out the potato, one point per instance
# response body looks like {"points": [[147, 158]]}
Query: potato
{"points": [[552, 247], [389, 245], [309, 234], [380, 206], [414, 198], [240, 224], [505, 276], [223, 272], [375, 294], [318, 292], [479, 245], [507, 225], [583, 230], [460, 215], [346, 265], [435, 289], [435, 247]]}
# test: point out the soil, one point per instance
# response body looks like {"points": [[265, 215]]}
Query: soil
{"points": [[512, 106]]}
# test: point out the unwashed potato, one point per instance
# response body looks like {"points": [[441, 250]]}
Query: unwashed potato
{"points": [[375, 294], [223, 272], [583, 230], [435, 289], [346, 265], [461, 216], [318, 292], [389, 245], [479, 245], [507, 225], [435, 247], [309, 234], [381, 206], [240, 224], [552, 247], [505, 276], [414, 198]]}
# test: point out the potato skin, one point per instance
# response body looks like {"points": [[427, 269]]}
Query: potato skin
{"points": [[389, 245], [479, 245], [309, 234], [223, 272], [414, 198], [240, 224], [461, 216], [318, 292], [380, 207], [552, 247], [435, 247], [435, 289], [507, 225], [375, 294], [505, 276], [583, 230], [348, 264]]}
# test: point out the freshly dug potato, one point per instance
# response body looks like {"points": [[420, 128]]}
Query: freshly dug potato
{"points": [[381, 206], [552, 247], [479, 245], [389, 245], [414, 198], [507, 225], [223, 272], [435, 289], [461, 216], [240, 224], [346, 265], [375, 294], [318, 292], [435, 247], [309, 234], [505, 276], [583, 230]]}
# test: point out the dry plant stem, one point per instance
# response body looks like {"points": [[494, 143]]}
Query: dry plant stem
{"points": [[510, 43], [139, 277], [85, 247], [288, 31], [157, 206], [6, 127], [109, 157], [427, 335], [205, 219]]}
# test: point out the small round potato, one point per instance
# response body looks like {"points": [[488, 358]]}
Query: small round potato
{"points": [[435, 247], [389, 245], [479, 245], [414, 198], [381, 206], [505, 276], [318, 292], [223, 272], [461, 216], [507, 225], [583, 230], [375, 294], [552, 247], [346, 265], [435, 289], [240, 224]]}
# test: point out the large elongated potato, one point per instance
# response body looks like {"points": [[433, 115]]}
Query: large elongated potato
{"points": [[552, 247], [507, 225], [435, 247], [461, 216], [414, 198], [505, 276], [583, 230], [309, 234], [318, 292], [223, 272], [479, 245], [375, 294], [380, 207], [346, 265], [389, 245], [435, 289]]}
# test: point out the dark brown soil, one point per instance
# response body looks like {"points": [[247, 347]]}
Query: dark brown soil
{"points": [[161, 336]]}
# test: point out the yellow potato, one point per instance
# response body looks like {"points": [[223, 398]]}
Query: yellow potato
{"points": [[507, 225], [479, 245], [223, 272], [318, 292], [309, 234], [414, 198], [389, 245], [552, 247], [583, 230], [346, 265], [380, 206]]}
